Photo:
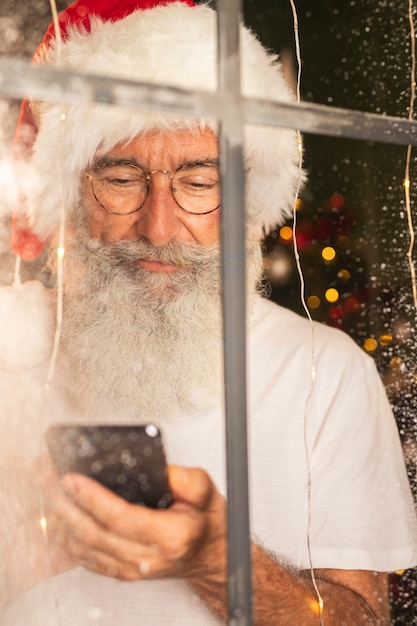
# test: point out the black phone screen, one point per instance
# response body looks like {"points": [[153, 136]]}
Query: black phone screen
{"points": [[128, 460]]}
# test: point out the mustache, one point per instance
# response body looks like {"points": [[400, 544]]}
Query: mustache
{"points": [[190, 255]]}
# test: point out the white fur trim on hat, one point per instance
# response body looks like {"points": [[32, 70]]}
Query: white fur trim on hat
{"points": [[173, 45]]}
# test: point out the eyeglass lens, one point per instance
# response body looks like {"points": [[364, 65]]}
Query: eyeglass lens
{"points": [[122, 188]]}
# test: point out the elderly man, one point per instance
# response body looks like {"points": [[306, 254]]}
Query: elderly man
{"points": [[140, 341]]}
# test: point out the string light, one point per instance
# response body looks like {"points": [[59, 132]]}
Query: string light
{"points": [[17, 284], [59, 301], [57, 30], [408, 158], [61, 234], [304, 304]]}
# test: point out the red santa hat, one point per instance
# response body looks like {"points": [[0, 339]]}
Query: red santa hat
{"points": [[151, 41]]}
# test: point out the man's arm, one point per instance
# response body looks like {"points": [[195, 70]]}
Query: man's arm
{"points": [[354, 598], [114, 538]]}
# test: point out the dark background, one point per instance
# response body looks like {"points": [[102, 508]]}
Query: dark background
{"points": [[355, 54]]}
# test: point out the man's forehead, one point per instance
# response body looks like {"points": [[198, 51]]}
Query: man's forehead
{"points": [[175, 145]]}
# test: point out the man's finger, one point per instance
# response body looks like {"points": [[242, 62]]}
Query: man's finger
{"points": [[190, 485]]}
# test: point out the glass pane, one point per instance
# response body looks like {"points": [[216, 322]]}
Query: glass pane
{"points": [[355, 55], [353, 235], [352, 231]]}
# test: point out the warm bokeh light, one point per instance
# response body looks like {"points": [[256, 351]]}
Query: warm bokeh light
{"points": [[385, 339], [343, 242], [285, 233], [352, 304], [370, 344], [336, 313], [313, 302], [299, 204], [337, 200], [279, 269], [343, 274], [331, 295], [396, 363], [317, 606], [328, 253]]}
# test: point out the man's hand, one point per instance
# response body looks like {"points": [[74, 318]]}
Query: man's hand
{"points": [[88, 525], [109, 536]]}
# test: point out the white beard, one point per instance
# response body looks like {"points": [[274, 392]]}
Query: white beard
{"points": [[147, 345]]}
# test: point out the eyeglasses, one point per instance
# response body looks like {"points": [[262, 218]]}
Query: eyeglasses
{"points": [[121, 187]]}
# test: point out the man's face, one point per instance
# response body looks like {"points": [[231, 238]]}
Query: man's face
{"points": [[147, 286], [160, 220]]}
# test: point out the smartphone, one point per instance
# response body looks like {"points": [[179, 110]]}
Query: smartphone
{"points": [[128, 460]]}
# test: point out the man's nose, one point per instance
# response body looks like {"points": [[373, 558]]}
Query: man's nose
{"points": [[158, 219]]}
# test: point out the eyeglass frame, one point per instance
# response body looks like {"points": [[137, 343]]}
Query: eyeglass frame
{"points": [[147, 176]]}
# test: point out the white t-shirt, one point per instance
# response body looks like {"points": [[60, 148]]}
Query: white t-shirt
{"points": [[336, 433]]}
